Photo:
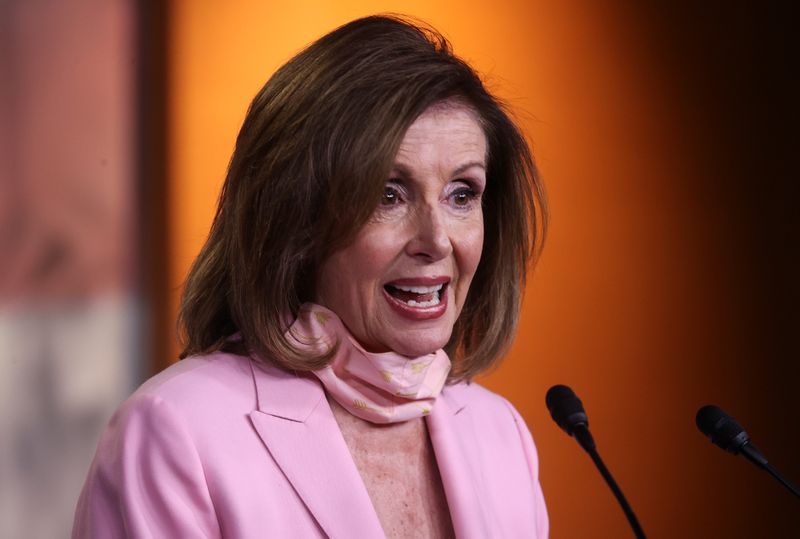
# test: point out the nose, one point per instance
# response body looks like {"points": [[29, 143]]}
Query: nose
{"points": [[430, 236]]}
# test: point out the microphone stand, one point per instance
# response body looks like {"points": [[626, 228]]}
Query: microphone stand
{"points": [[756, 457], [584, 438]]}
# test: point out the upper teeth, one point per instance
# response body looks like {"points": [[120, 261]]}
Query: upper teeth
{"points": [[419, 289]]}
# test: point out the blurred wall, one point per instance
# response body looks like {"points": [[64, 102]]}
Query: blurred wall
{"points": [[69, 347], [668, 280]]}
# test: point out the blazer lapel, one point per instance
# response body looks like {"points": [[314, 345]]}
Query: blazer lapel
{"points": [[296, 424], [452, 433]]}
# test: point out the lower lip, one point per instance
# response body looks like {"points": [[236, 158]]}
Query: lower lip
{"points": [[418, 313]]}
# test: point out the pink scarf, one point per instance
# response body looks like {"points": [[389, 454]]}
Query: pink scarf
{"points": [[377, 387]]}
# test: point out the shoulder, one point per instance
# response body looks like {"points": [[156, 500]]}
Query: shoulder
{"points": [[201, 393], [149, 469], [497, 438], [481, 401], [496, 421], [200, 380], [207, 371]]}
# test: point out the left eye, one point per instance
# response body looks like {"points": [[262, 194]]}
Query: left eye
{"points": [[390, 197], [463, 197]]}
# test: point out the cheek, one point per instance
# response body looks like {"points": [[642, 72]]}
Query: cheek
{"points": [[375, 250], [349, 276], [474, 247], [469, 253]]}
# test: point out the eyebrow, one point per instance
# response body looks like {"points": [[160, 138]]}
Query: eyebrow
{"points": [[467, 166], [405, 171]]}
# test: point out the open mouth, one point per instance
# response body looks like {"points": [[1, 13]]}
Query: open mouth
{"points": [[420, 297]]}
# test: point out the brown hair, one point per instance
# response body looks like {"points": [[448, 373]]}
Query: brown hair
{"points": [[310, 166]]}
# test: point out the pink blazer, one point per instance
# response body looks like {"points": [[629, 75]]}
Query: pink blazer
{"points": [[223, 446]]}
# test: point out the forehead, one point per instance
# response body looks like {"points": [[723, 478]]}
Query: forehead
{"points": [[446, 132]]}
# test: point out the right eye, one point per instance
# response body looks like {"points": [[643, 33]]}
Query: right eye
{"points": [[391, 197]]}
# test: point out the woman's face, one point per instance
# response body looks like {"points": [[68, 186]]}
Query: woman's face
{"points": [[401, 284]]}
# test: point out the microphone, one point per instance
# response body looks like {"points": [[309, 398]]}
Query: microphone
{"points": [[567, 411], [725, 432]]}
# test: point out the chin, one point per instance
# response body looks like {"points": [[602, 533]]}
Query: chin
{"points": [[419, 345]]}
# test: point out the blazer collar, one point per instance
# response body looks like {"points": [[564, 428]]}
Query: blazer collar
{"points": [[285, 395], [298, 428], [452, 434], [296, 424]]}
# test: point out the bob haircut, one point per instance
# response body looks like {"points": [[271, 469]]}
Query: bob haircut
{"points": [[311, 164]]}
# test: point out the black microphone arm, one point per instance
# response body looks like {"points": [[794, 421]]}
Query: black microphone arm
{"points": [[727, 433], [566, 409]]}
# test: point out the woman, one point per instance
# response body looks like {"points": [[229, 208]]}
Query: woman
{"points": [[375, 223]]}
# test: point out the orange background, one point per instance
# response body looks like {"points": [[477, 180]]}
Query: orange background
{"points": [[646, 300]]}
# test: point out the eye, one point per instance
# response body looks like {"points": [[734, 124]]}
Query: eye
{"points": [[463, 197], [391, 197]]}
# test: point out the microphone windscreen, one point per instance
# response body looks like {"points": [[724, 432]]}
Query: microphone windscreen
{"points": [[565, 408], [722, 429]]}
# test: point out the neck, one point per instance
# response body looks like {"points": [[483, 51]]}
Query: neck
{"points": [[413, 428], [378, 387]]}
